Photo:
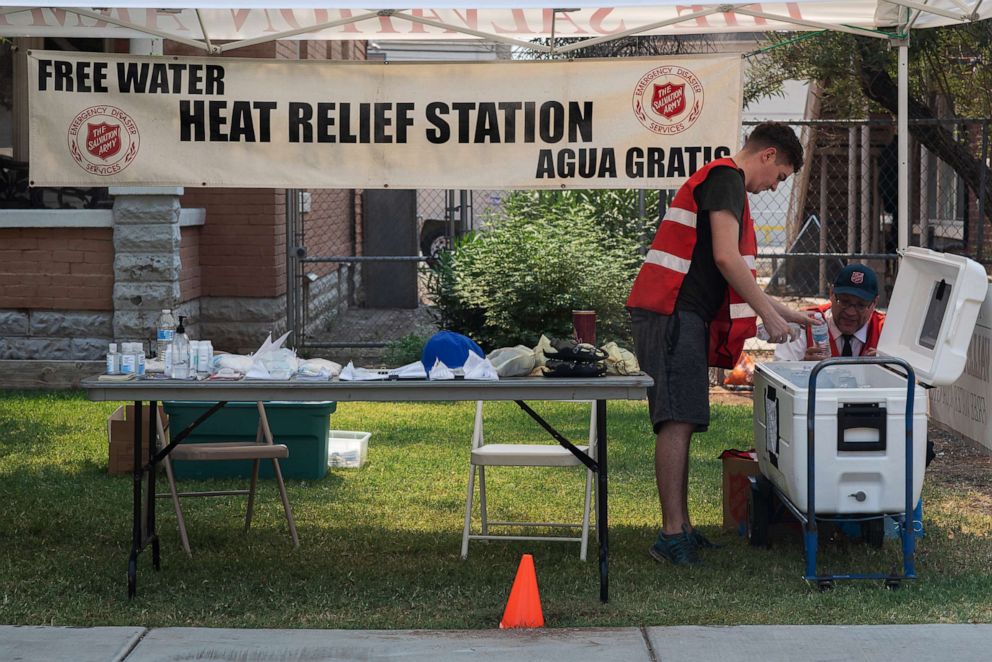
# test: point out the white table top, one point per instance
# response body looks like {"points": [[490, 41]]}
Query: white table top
{"points": [[513, 388]]}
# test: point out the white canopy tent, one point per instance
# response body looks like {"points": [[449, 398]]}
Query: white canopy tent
{"points": [[507, 21]]}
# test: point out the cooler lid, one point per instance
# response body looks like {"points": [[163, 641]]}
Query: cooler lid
{"points": [[932, 313]]}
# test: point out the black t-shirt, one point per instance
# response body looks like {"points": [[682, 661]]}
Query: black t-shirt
{"points": [[704, 286]]}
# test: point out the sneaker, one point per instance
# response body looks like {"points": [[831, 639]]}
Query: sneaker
{"points": [[702, 542], [678, 548]]}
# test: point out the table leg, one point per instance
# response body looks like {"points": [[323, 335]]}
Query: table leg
{"points": [[132, 561], [150, 530], [602, 517]]}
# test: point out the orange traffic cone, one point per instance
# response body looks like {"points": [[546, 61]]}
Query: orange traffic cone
{"points": [[523, 609]]}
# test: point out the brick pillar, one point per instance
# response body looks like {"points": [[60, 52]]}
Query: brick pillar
{"points": [[146, 261]]}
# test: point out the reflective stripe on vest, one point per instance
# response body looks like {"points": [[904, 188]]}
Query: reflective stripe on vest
{"points": [[657, 285]]}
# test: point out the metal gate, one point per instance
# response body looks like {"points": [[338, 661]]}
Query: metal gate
{"points": [[451, 212]]}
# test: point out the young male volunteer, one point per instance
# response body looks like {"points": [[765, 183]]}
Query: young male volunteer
{"points": [[854, 323], [694, 303]]}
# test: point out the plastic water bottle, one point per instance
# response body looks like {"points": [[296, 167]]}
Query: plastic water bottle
{"points": [[762, 332], [165, 330], [180, 352], [113, 360], [821, 334]]}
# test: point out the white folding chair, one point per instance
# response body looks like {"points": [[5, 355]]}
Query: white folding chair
{"points": [[523, 455], [261, 449]]}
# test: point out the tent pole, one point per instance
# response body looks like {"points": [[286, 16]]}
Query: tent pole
{"points": [[903, 141]]}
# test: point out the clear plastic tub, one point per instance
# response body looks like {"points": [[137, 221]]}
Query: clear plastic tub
{"points": [[347, 449]]}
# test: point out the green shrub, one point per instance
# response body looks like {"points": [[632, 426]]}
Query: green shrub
{"points": [[543, 256], [404, 350]]}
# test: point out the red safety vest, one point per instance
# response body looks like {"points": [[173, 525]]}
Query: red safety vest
{"points": [[657, 285], [875, 323]]}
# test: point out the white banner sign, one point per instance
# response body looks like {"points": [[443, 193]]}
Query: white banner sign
{"points": [[99, 119], [964, 405]]}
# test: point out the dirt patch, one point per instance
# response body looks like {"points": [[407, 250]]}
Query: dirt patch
{"points": [[960, 463], [721, 396]]}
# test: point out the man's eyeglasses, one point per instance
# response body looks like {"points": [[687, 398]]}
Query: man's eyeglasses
{"points": [[859, 305]]}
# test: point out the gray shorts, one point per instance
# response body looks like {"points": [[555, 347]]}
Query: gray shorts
{"points": [[672, 350]]}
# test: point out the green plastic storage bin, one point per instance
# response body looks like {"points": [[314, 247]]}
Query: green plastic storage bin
{"points": [[301, 426]]}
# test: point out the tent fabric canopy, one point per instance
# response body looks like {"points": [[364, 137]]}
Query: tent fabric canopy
{"points": [[513, 21]]}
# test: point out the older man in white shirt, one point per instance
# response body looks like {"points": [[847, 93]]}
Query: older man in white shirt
{"points": [[851, 317]]}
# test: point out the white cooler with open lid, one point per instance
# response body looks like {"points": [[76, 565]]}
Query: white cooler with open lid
{"points": [[860, 416]]}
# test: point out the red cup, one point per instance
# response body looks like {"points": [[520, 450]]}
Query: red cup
{"points": [[584, 323]]}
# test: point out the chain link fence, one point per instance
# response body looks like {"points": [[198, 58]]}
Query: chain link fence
{"points": [[446, 213], [844, 204]]}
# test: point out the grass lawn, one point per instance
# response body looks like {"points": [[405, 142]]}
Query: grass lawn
{"points": [[380, 545]]}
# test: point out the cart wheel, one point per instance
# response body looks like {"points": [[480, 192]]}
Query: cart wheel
{"points": [[758, 512], [874, 532], [893, 584], [824, 584]]}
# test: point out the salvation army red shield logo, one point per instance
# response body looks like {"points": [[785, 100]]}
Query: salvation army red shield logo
{"points": [[857, 277], [668, 100], [103, 140]]}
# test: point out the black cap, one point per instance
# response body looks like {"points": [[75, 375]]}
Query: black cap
{"points": [[857, 280]]}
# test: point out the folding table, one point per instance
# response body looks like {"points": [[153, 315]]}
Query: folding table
{"points": [[518, 389]]}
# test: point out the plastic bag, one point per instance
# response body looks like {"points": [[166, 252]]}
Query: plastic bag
{"points": [[742, 376], [513, 361], [479, 368], [620, 361], [543, 345]]}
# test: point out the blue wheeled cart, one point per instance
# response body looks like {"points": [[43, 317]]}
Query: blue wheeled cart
{"points": [[854, 465], [764, 494]]}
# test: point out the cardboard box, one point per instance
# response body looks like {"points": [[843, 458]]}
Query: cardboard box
{"points": [[120, 434], [736, 470]]}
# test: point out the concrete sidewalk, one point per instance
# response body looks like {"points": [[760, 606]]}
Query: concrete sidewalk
{"points": [[767, 643]]}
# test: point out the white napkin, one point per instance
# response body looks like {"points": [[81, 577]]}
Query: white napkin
{"points": [[319, 369], [280, 370], [441, 371], [313, 374], [477, 367], [352, 374], [413, 370], [233, 361]]}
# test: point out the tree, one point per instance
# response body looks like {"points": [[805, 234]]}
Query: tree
{"points": [[635, 46], [949, 75]]}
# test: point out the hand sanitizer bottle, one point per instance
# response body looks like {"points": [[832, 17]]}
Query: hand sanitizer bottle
{"points": [[180, 351], [128, 365], [204, 355], [113, 360]]}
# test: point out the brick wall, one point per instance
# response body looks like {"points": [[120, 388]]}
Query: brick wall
{"points": [[190, 279], [242, 246], [63, 269]]}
